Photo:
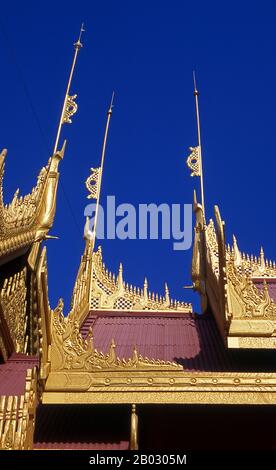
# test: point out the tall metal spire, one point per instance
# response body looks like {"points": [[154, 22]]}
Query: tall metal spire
{"points": [[69, 105], [96, 175], [194, 160], [196, 95]]}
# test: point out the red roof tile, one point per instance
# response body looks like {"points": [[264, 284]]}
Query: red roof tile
{"points": [[77, 427], [190, 340], [122, 445], [13, 373], [271, 284]]}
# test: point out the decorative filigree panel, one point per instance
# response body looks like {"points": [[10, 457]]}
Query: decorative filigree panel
{"points": [[112, 292], [253, 302], [212, 247], [28, 218], [254, 266], [96, 288], [13, 302], [230, 275], [69, 351], [21, 211]]}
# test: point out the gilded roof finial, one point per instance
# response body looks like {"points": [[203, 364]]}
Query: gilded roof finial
{"points": [[97, 173], [196, 94], [145, 289], [194, 160], [120, 276], [69, 105], [262, 258], [78, 44], [111, 103], [237, 255], [88, 234], [167, 294]]}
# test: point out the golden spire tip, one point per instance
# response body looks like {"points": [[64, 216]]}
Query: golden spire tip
{"points": [[195, 88], [78, 44], [111, 103]]}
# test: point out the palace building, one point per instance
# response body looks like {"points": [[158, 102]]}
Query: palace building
{"points": [[127, 368]]}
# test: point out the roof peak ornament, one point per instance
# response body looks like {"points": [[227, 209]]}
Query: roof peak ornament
{"points": [[69, 105], [194, 160], [237, 254], [71, 352], [94, 181], [105, 291]]}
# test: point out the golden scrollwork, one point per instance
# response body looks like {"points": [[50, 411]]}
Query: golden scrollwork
{"points": [[155, 386], [96, 288], [92, 183], [208, 397], [21, 211], [44, 314], [112, 292], [70, 351], [28, 218], [253, 266], [239, 306], [193, 161], [255, 303], [13, 302], [212, 247], [70, 109]]}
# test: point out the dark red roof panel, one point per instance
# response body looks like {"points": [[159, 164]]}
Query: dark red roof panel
{"points": [[271, 284], [190, 340], [13, 373], [82, 427], [121, 445]]}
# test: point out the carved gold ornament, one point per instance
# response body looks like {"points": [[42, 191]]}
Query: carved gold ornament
{"points": [[255, 303], [212, 247], [193, 161], [99, 289], [70, 351], [93, 182], [13, 303], [70, 109], [28, 219], [21, 210], [245, 313]]}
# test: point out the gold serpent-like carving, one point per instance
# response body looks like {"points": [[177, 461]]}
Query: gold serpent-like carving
{"points": [[70, 351], [21, 211], [28, 218], [257, 303]]}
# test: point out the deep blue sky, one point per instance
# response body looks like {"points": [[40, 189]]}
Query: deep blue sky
{"points": [[145, 51]]}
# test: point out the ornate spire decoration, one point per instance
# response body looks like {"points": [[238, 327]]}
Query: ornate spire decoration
{"points": [[120, 277], [69, 106], [237, 255], [96, 288], [71, 352], [145, 291], [94, 181], [194, 160], [167, 294]]}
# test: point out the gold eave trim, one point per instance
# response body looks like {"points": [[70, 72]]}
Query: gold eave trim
{"points": [[171, 396], [251, 342], [160, 387]]}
